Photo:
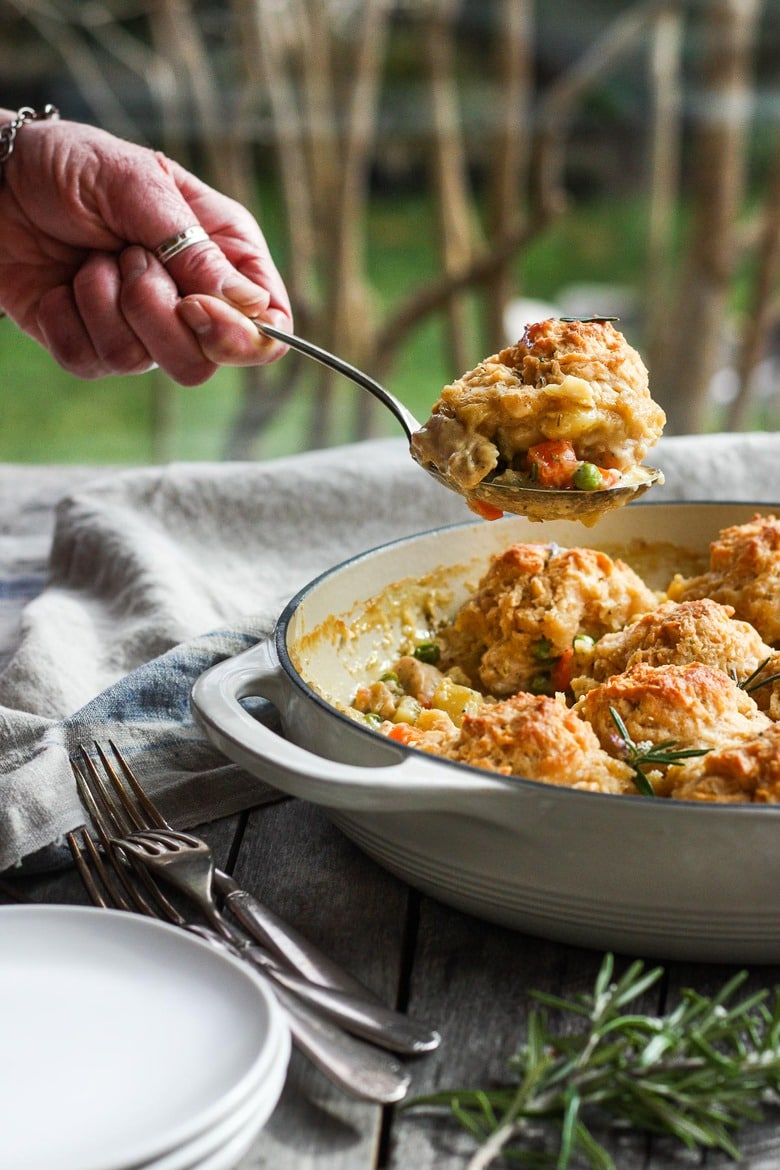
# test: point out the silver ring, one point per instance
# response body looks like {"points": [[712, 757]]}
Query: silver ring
{"points": [[183, 239]]}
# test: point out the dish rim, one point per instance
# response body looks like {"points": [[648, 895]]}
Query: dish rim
{"points": [[401, 751]]}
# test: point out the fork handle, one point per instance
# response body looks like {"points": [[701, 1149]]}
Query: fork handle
{"points": [[286, 943], [358, 1068], [380, 1025]]}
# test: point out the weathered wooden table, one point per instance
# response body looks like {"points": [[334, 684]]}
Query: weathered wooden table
{"points": [[468, 978]]}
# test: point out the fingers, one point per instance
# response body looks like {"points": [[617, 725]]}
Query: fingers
{"points": [[234, 229], [64, 333], [83, 326], [119, 317], [123, 315], [227, 337], [116, 311], [203, 268], [226, 280], [234, 264], [190, 338], [149, 301], [97, 294]]}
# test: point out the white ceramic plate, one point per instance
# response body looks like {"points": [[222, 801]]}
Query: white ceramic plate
{"points": [[229, 1153], [124, 1038], [223, 1146]]}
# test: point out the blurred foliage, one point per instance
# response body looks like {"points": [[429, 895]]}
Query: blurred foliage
{"points": [[602, 238], [51, 416]]}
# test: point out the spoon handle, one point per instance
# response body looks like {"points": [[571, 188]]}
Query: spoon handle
{"points": [[404, 416]]}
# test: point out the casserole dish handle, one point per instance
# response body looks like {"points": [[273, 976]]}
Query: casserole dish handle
{"points": [[413, 781]]}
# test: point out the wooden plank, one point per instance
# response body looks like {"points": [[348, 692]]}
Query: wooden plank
{"points": [[311, 875], [472, 979], [478, 977]]}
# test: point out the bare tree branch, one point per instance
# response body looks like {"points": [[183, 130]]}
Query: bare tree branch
{"points": [[557, 106], [428, 299], [264, 52], [683, 369], [53, 26], [449, 167], [763, 309], [664, 169], [511, 153], [352, 321]]}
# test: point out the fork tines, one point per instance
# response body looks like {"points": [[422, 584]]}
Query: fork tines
{"points": [[116, 806], [99, 878], [120, 799]]}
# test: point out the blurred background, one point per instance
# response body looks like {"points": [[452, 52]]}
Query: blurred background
{"points": [[430, 175]]}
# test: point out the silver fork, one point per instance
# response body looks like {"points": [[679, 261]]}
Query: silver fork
{"points": [[187, 862], [356, 1067], [131, 809]]}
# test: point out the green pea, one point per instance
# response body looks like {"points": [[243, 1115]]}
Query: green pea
{"points": [[543, 650], [587, 478], [540, 685], [427, 652], [389, 677], [583, 643]]}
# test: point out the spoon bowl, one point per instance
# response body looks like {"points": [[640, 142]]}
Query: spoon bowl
{"points": [[533, 503], [550, 503]]}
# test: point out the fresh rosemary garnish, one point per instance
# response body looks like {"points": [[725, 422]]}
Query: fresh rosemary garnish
{"points": [[593, 319], [640, 755], [753, 682], [697, 1074]]}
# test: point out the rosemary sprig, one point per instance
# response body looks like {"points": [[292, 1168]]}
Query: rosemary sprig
{"points": [[697, 1074], [641, 755], [753, 682], [592, 319]]}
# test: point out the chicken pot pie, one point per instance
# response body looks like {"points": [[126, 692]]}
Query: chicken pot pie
{"points": [[565, 667], [677, 633], [744, 572], [534, 603], [745, 772], [568, 407]]}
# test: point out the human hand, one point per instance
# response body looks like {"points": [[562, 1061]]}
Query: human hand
{"points": [[81, 213]]}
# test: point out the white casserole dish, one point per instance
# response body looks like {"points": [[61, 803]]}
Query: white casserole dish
{"points": [[670, 879]]}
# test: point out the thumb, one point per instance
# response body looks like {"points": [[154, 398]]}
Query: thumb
{"points": [[202, 267], [149, 208]]}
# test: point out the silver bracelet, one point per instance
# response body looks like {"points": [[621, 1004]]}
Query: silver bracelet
{"points": [[9, 131]]}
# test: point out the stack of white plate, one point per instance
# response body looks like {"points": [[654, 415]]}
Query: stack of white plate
{"points": [[130, 1043]]}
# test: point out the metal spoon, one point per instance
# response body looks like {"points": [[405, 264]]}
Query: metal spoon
{"points": [[534, 503]]}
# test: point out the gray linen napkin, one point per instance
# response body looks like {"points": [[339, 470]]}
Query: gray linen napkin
{"points": [[156, 574]]}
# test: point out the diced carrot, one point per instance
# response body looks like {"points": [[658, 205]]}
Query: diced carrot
{"points": [[553, 463], [404, 733], [486, 511], [563, 670], [609, 476]]}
